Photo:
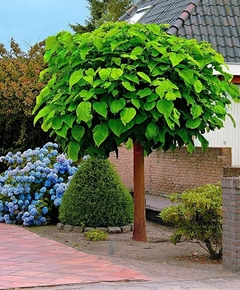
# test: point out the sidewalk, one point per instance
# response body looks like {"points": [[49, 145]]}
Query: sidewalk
{"points": [[30, 261]]}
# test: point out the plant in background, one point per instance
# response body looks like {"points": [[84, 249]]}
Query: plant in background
{"points": [[100, 12], [32, 187], [197, 216], [96, 197], [96, 235], [19, 86]]}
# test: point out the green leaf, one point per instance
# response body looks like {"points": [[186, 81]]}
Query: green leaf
{"points": [[149, 106], [204, 142], [160, 90], [42, 113], [104, 73], [47, 55], [86, 94], [116, 60], [116, 126], [127, 114], [57, 123], [73, 149], [42, 73], [165, 107], [75, 78], [175, 116], [144, 76], [106, 85], [139, 119], [152, 98], [116, 73], [144, 93], [114, 92], [84, 51], [193, 123], [190, 147], [127, 127], [186, 75], [101, 108], [136, 103], [176, 58], [77, 132], [152, 130], [132, 78], [183, 133], [72, 107], [137, 51], [96, 83], [69, 119], [52, 81], [100, 133], [232, 119], [170, 96], [198, 86], [98, 43], [155, 113], [218, 109], [90, 72], [83, 111], [62, 131], [50, 41], [129, 86], [130, 95], [115, 44], [196, 111], [117, 105], [46, 126], [40, 98], [57, 97], [88, 79], [170, 122]]}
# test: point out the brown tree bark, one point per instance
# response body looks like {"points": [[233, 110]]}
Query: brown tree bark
{"points": [[139, 227]]}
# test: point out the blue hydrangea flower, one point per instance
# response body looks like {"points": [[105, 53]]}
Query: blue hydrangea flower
{"points": [[33, 184]]}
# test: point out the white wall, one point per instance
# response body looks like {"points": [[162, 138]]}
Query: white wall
{"points": [[228, 136]]}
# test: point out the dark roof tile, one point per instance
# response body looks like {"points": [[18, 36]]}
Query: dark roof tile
{"points": [[215, 21]]}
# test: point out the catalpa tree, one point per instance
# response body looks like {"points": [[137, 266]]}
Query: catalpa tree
{"points": [[131, 81]]}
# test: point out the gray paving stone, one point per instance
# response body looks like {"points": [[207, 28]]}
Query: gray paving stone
{"points": [[114, 230]]}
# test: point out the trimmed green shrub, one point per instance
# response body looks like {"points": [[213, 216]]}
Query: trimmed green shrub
{"points": [[197, 216], [96, 197]]}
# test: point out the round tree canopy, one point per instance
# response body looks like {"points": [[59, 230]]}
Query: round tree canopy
{"points": [[131, 81]]}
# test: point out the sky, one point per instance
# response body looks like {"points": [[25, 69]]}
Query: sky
{"points": [[30, 21]]}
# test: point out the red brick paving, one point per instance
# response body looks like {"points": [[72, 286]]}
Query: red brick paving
{"points": [[29, 260]]}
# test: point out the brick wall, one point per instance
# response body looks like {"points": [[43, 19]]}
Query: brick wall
{"points": [[231, 223], [168, 172]]}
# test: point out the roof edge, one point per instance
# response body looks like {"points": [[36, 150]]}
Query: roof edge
{"points": [[182, 18]]}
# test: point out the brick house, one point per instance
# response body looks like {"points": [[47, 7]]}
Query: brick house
{"points": [[217, 22]]}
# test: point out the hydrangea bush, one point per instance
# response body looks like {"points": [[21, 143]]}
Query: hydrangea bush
{"points": [[33, 185]]}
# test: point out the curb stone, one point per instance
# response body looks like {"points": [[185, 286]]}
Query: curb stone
{"points": [[110, 230]]}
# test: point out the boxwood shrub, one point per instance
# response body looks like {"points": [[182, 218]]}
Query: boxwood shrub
{"points": [[96, 197]]}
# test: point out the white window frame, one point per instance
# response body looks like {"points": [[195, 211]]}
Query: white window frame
{"points": [[139, 14]]}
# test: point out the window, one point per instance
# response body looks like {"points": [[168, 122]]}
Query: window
{"points": [[139, 14]]}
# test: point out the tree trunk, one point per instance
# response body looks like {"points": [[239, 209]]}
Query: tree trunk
{"points": [[139, 227]]}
